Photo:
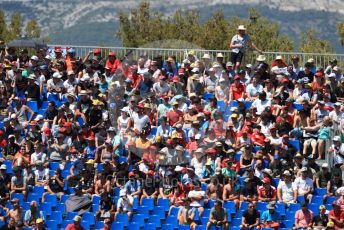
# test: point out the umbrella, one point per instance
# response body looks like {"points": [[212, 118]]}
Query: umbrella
{"points": [[26, 43]]}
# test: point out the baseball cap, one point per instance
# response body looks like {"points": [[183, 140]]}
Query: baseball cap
{"points": [[3, 167], [304, 169], [39, 220], [77, 218], [130, 174], [266, 180]]}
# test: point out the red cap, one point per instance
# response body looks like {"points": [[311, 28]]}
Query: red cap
{"points": [[67, 124], [181, 71], [130, 174], [266, 180], [319, 74], [96, 51], [33, 123], [211, 151], [207, 113], [47, 132], [112, 54], [150, 172], [175, 79], [140, 106], [1, 132], [236, 77], [58, 50], [284, 80]]}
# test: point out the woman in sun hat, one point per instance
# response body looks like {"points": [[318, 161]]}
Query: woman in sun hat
{"points": [[238, 45]]}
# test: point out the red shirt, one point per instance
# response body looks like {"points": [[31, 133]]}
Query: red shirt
{"points": [[72, 227], [237, 91], [339, 216], [136, 80], [267, 193], [258, 138], [113, 66], [174, 116]]}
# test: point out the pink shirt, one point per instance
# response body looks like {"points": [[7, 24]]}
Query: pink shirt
{"points": [[304, 218]]}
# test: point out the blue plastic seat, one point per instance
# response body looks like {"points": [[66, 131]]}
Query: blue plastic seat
{"points": [[221, 105], [301, 199], [71, 215], [33, 197], [8, 166], [96, 199], [149, 202], [287, 224], [52, 199], [173, 220], [294, 207], [200, 227], [155, 219], [164, 203], [204, 220], [233, 104], [44, 105], [57, 216], [133, 226], [54, 165], [122, 159], [46, 207], [65, 223], [317, 200], [244, 205], [117, 225], [290, 216], [32, 105], [26, 206], [248, 104], [236, 222], [95, 208], [314, 208], [261, 206], [296, 144], [297, 106], [159, 211], [153, 131], [143, 210], [230, 206], [38, 190], [139, 218], [206, 212], [89, 216], [320, 191], [85, 224], [123, 218], [167, 227], [174, 211], [150, 226], [52, 224], [207, 96], [64, 197], [99, 225], [183, 227], [280, 208], [60, 207], [18, 196]]}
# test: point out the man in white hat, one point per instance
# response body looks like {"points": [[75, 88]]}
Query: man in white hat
{"points": [[55, 84], [238, 45]]}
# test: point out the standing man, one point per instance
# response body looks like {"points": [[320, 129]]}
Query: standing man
{"points": [[238, 45]]}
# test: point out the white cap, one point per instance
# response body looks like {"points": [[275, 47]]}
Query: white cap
{"points": [[3, 166], [123, 192], [324, 165], [34, 58], [222, 80], [304, 169], [198, 136], [336, 138], [194, 70], [13, 116], [39, 117], [57, 75]]}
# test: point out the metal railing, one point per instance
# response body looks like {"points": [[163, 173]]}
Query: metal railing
{"points": [[321, 60]]}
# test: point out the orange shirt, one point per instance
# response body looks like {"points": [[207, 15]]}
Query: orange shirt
{"points": [[113, 66]]}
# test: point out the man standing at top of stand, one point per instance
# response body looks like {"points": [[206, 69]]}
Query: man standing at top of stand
{"points": [[238, 45]]}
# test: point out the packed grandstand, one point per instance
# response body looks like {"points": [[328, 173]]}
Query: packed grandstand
{"points": [[117, 142]]}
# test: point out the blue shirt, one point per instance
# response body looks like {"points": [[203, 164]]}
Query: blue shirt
{"points": [[117, 141], [271, 217], [132, 186], [91, 152]]}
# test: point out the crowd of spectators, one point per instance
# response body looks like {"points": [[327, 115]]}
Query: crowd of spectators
{"points": [[230, 147]]}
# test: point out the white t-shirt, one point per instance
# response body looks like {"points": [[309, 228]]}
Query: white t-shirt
{"points": [[195, 203], [57, 86], [254, 90], [301, 185], [287, 191], [236, 39], [124, 204], [261, 105], [158, 88], [140, 121]]}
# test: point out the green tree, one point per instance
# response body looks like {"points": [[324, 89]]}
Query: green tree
{"points": [[311, 43], [32, 29], [16, 25], [3, 26], [340, 30]]}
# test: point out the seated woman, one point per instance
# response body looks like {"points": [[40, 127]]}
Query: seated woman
{"points": [[187, 214], [106, 208]]}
